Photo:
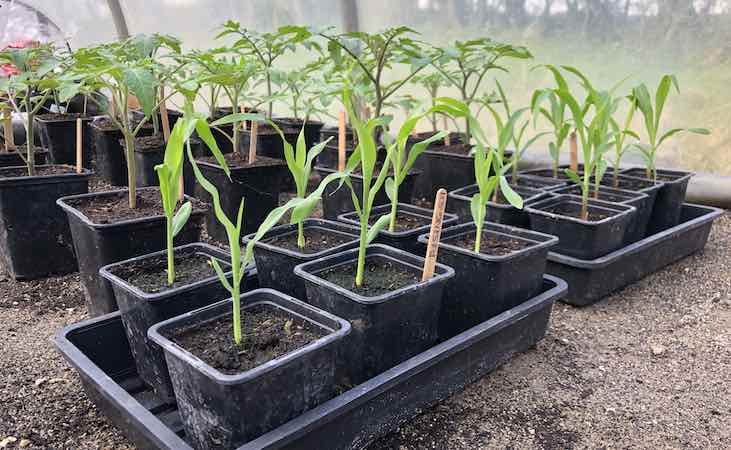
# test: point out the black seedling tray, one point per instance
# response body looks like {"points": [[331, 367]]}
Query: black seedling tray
{"points": [[591, 280], [98, 350]]}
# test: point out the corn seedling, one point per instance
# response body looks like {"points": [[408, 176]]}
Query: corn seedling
{"points": [[621, 132], [651, 119]]}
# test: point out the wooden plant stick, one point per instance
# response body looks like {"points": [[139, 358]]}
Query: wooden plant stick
{"points": [[8, 130], [79, 145], [242, 109], [252, 141], [447, 138], [574, 149], [440, 201], [341, 141]]}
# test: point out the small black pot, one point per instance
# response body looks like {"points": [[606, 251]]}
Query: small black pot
{"points": [[442, 169], [540, 183], [258, 185], [110, 159], [637, 228], [99, 244], [35, 240], [458, 202], [58, 136], [141, 310], [15, 158], [225, 411], [670, 196], [328, 158], [275, 265], [389, 328], [547, 174], [487, 285], [337, 200], [146, 159], [268, 141], [582, 238], [312, 129], [407, 240]]}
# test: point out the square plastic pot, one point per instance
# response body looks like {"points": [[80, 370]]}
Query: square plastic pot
{"points": [[407, 240], [224, 411], [582, 238], [35, 239], [275, 265], [312, 129], [15, 158], [637, 228], [111, 162], [535, 182], [485, 285], [670, 196], [389, 328], [337, 200], [258, 185], [442, 170], [268, 141], [58, 136], [99, 244], [458, 202], [141, 310]]}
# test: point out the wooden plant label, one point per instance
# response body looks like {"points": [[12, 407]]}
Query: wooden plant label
{"points": [[341, 141], [440, 201], [574, 149], [242, 109], [447, 138], [79, 146], [8, 130], [164, 115], [252, 141]]}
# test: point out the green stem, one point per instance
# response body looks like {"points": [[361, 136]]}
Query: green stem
{"points": [[235, 289], [30, 136], [129, 143], [171, 260], [361, 250], [478, 234]]}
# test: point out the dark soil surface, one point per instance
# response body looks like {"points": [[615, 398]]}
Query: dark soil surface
{"points": [[574, 210], [60, 116], [115, 208], [455, 149], [538, 183], [603, 195], [628, 183], [381, 276], [490, 244], [40, 171], [548, 173], [455, 138], [151, 275], [267, 333], [641, 173], [644, 368], [235, 160], [106, 124], [316, 240], [156, 142], [405, 221]]}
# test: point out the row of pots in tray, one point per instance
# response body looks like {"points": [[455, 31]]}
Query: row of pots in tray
{"points": [[333, 334]]}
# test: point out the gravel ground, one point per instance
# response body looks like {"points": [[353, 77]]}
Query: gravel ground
{"points": [[646, 368]]}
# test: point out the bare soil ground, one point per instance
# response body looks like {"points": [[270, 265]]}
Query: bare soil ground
{"points": [[646, 368]]}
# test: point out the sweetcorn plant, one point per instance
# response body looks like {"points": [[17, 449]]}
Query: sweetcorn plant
{"points": [[485, 159], [432, 82], [555, 114], [651, 118]]}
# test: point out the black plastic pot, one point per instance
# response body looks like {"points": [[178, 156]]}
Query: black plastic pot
{"points": [[268, 141], [441, 169], [111, 162], [258, 185], [458, 202], [15, 158], [58, 136], [328, 158], [337, 199], [389, 328], [312, 129], [224, 411], [582, 238], [547, 174], [275, 265], [637, 228], [98, 350], [99, 244], [407, 240], [146, 159], [140, 310], [540, 183], [35, 240], [590, 280], [670, 196], [487, 285]]}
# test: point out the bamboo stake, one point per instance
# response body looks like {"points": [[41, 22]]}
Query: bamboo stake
{"points": [[574, 149], [447, 138], [8, 130], [440, 201], [79, 142], [341, 141], [252, 141], [242, 109]]}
